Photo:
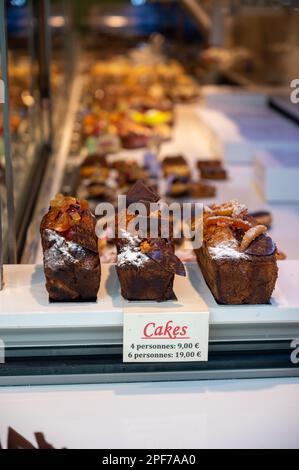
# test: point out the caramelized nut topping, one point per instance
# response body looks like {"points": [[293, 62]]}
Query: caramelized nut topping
{"points": [[251, 235]]}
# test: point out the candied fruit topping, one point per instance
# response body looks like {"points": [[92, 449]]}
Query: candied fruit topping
{"points": [[76, 217], [65, 212], [251, 235], [228, 221], [145, 247], [62, 224], [62, 202], [231, 208]]}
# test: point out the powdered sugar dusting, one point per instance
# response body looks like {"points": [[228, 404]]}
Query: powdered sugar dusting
{"points": [[128, 256], [130, 253], [61, 251], [227, 250], [238, 209], [133, 240]]}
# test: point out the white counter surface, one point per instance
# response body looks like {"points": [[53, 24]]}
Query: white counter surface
{"points": [[27, 317], [225, 414]]}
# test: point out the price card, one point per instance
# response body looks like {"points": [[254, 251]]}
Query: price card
{"points": [[166, 337]]}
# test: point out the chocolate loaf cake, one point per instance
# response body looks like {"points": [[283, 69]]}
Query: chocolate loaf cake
{"points": [[237, 258], [145, 266], [71, 260]]}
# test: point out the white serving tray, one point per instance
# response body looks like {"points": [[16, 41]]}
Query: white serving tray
{"points": [[276, 174], [28, 319], [236, 132]]}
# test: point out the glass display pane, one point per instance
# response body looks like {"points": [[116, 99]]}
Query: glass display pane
{"points": [[61, 57], [24, 92], [24, 100]]}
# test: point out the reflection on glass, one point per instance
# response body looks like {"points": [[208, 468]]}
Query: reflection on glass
{"points": [[25, 122]]}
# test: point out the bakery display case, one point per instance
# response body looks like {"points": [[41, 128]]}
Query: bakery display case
{"points": [[137, 119], [29, 72], [24, 139]]}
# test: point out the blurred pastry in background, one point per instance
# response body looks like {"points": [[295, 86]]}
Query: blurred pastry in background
{"points": [[202, 190], [262, 218], [178, 188], [209, 163], [134, 136], [176, 166], [213, 173], [212, 169], [128, 172], [93, 165]]}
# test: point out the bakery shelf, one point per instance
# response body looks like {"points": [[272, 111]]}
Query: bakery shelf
{"points": [[26, 314], [75, 343]]}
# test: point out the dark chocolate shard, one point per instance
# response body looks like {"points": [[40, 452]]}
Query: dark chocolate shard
{"points": [[41, 441], [168, 261], [16, 441], [261, 246], [140, 192]]}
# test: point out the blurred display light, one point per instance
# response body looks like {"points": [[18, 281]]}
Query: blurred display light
{"points": [[116, 21], [57, 21], [138, 3]]}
